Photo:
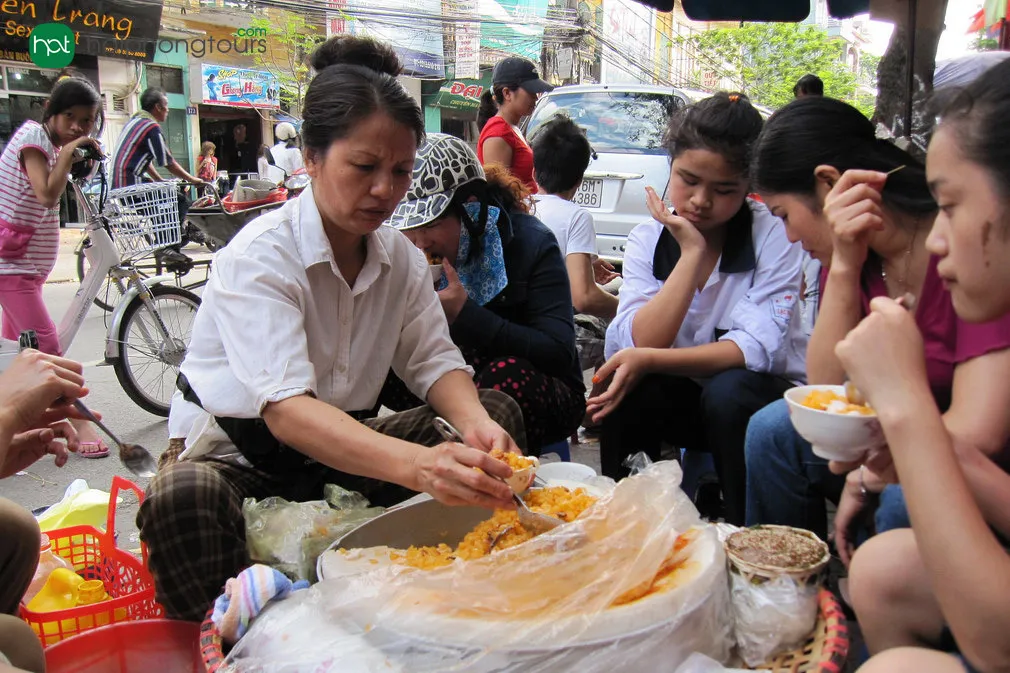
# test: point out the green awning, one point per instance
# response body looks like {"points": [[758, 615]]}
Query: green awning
{"points": [[461, 94]]}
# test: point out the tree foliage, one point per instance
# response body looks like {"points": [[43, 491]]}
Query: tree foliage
{"points": [[291, 39], [983, 42], [766, 59]]}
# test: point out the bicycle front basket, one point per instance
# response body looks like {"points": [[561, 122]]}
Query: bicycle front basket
{"points": [[144, 217]]}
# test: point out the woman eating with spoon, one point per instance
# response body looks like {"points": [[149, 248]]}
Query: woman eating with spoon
{"points": [[308, 309], [943, 584], [503, 286], [868, 229]]}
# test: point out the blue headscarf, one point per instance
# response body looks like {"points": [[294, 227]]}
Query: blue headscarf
{"points": [[483, 276]]}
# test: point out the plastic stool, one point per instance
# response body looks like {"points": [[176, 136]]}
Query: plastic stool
{"points": [[695, 464], [561, 448]]}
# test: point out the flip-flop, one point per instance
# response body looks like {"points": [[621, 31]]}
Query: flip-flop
{"points": [[93, 449]]}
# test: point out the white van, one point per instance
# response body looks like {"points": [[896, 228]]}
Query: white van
{"points": [[625, 124]]}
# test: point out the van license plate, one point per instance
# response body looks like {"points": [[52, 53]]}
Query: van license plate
{"points": [[590, 194]]}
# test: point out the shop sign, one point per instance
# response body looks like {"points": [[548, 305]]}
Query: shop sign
{"points": [[111, 28], [417, 41], [462, 94], [513, 26], [238, 87], [467, 41]]}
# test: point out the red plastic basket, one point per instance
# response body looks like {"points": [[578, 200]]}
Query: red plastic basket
{"points": [[277, 195], [94, 556]]}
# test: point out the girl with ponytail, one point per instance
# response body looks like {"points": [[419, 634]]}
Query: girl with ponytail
{"points": [[706, 312], [516, 86]]}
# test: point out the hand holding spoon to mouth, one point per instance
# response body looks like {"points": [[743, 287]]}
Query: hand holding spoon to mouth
{"points": [[851, 392]]}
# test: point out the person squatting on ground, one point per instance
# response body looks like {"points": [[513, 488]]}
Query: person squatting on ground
{"points": [[308, 308]]}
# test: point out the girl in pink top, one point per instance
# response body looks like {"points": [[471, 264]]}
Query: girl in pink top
{"points": [[34, 168], [943, 584]]}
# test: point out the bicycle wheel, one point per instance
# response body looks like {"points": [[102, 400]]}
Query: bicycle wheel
{"points": [[152, 346], [109, 295]]}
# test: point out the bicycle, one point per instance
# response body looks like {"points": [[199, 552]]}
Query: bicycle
{"points": [[151, 322], [183, 268]]}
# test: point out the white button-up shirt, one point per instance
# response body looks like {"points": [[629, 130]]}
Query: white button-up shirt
{"points": [[757, 308], [279, 320]]}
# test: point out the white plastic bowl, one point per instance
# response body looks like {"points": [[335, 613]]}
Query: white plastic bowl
{"points": [[436, 272], [522, 478], [566, 472], [841, 437]]}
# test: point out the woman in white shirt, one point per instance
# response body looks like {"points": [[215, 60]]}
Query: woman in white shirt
{"points": [[305, 314], [702, 333]]}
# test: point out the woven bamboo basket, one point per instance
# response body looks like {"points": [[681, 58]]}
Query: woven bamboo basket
{"points": [[758, 573]]}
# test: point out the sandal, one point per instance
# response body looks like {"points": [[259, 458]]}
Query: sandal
{"points": [[93, 449]]}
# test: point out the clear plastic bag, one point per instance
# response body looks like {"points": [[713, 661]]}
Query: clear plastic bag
{"points": [[771, 617], [584, 597], [290, 536], [699, 663]]}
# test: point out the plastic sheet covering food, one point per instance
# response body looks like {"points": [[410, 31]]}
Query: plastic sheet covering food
{"points": [[584, 597], [290, 535], [699, 663]]}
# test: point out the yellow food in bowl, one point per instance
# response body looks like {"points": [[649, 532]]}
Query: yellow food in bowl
{"points": [[513, 460], [828, 400], [557, 501]]}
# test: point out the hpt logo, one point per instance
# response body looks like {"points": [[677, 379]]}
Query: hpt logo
{"points": [[51, 45]]}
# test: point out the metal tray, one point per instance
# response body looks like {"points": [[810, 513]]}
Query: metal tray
{"points": [[424, 523]]}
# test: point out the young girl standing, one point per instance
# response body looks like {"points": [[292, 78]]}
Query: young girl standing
{"points": [[702, 333], [33, 174], [207, 162]]}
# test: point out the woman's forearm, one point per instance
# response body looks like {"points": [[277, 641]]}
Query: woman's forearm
{"points": [[656, 324], [706, 360], [6, 437], [326, 434], [966, 563], [840, 311], [454, 396], [989, 485], [600, 303]]}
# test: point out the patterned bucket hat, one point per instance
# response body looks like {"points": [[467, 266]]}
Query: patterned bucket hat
{"points": [[443, 164]]}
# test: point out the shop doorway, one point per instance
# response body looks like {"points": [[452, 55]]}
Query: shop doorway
{"points": [[218, 125]]}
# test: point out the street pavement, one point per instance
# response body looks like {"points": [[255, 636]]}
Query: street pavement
{"points": [[43, 483]]}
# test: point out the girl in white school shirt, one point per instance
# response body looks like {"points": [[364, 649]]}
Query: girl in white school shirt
{"points": [[702, 333]]}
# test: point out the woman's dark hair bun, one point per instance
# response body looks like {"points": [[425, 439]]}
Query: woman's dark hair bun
{"points": [[360, 51]]}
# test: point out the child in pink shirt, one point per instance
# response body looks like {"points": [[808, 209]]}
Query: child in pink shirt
{"points": [[33, 175]]}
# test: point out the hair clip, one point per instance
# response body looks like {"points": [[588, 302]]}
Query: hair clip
{"points": [[734, 97]]}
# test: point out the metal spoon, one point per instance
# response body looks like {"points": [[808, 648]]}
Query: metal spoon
{"points": [[534, 522], [136, 458], [853, 394]]}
